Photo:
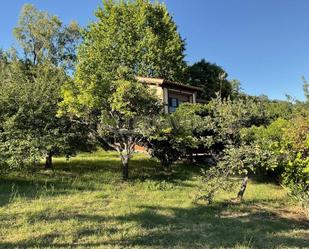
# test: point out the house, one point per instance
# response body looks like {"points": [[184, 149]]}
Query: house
{"points": [[171, 93]]}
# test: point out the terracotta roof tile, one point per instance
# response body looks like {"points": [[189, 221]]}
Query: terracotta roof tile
{"points": [[160, 82]]}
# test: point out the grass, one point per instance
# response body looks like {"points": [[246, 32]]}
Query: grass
{"points": [[84, 204]]}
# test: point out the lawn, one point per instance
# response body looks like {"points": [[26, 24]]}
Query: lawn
{"points": [[83, 203]]}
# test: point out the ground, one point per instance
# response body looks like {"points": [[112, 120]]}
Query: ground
{"points": [[83, 203]]}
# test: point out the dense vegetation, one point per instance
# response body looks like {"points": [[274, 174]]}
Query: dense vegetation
{"points": [[74, 90]]}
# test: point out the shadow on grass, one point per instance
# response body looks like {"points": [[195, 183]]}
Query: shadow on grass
{"points": [[83, 174], [215, 226], [195, 227], [139, 168], [65, 178]]}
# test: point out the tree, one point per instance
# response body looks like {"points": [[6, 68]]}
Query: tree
{"points": [[210, 77], [306, 89], [243, 160], [134, 36], [204, 129], [29, 102], [218, 124], [44, 37], [31, 91], [296, 168], [130, 38], [125, 124], [219, 133], [171, 138], [281, 146], [236, 90]]}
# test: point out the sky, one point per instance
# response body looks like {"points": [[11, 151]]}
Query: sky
{"points": [[262, 43]]}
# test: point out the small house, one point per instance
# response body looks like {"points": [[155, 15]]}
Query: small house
{"points": [[171, 93]]}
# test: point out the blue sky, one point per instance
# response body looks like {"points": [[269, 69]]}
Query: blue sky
{"points": [[262, 43]]}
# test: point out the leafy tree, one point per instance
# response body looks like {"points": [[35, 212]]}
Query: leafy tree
{"points": [[124, 125], [289, 140], [243, 160], [236, 90], [296, 178], [220, 122], [296, 173], [30, 91], [130, 38], [279, 109], [204, 129], [134, 36], [306, 89], [29, 102], [44, 37], [221, 135], [171, 139], [211, 77]]}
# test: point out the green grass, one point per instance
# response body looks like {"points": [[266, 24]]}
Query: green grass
{"points": [[84, 204]]}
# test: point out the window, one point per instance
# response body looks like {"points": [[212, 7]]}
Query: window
{"points": [[176, 99], [173, 103]]}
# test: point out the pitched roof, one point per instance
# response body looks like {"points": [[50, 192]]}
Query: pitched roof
{"points": [[163, 82]]}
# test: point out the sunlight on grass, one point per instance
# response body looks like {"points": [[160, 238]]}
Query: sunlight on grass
{"points": [[84, 204]]}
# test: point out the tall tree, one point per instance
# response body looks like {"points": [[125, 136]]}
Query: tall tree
{"points": [[44, 37], [31, 90], [211, 77], [130, 38], [137, 36]]}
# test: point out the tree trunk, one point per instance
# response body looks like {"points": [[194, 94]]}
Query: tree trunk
{"points": [[166, 163], [49, 161], [125, 167], [242, 188]]}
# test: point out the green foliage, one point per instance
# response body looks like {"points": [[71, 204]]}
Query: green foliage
{"points": [[131, 107], [240, 142], [236, 90], [131, 100], [306, 89], [218, 123], [138, 37], [271, 109], [28, 105], [243, 160], [287, 140], [18, 152], [279, 109], [269, 137], [122, 126], [210, 77], [171, 139], [43, 37], [296, 174], [204, 129], [296, 178], [30, 91], [130, 38]]}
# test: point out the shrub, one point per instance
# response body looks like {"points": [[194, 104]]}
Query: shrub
{"points": [[171, 139], [296, 178]]}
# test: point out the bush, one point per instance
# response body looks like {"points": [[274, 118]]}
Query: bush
{"points": [[296, 178], [171, 139], [18, 153], [204, 129], [288, 140], [244, 161]]}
